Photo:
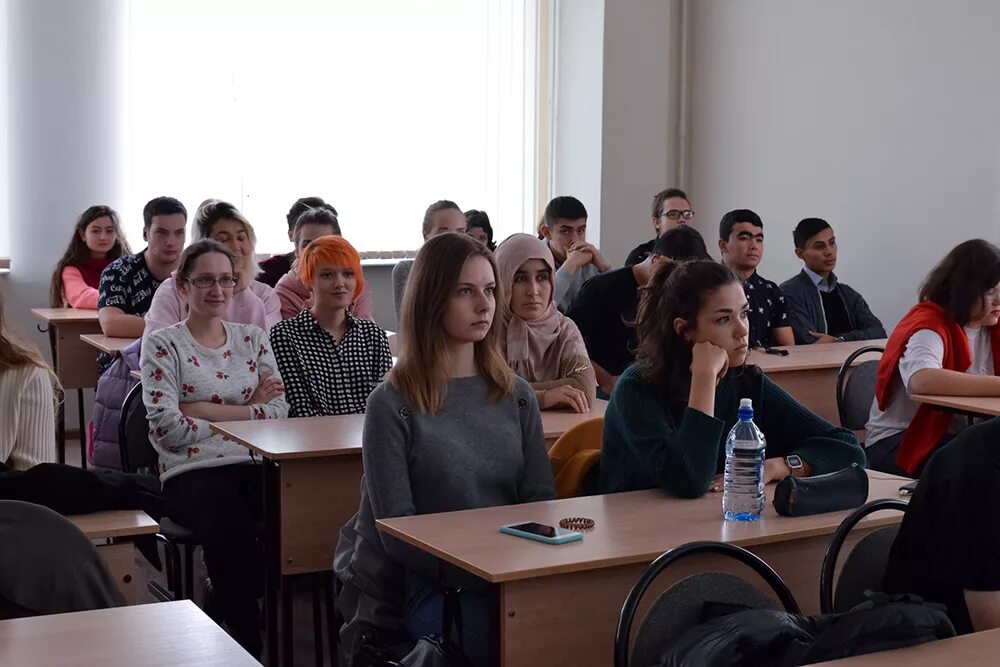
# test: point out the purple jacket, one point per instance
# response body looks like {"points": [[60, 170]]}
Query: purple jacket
{"points": [[112, 387]]}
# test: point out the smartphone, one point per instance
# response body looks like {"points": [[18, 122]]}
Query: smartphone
{"points": [[774, 350], [541, 533], [908, 489]]}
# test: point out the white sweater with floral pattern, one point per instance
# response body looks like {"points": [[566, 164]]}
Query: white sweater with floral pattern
{"points": [[177, 369]]}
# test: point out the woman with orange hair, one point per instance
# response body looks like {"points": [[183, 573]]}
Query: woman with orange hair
{"points": [[329, 359]]}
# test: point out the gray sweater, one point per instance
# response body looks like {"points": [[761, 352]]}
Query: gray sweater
{"points": [[400, 274], [474, 453], [568, 284], [805, 310]]}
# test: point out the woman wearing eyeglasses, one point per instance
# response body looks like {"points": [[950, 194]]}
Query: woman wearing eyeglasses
{"points": [[201, 370], [253, 302]]}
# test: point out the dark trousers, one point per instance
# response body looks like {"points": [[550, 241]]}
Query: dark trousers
{"points": [[882, 455], [424, 613], [221, 506]]}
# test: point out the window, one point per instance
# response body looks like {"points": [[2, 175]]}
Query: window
{"points": [[380, 107], [4, 157]]}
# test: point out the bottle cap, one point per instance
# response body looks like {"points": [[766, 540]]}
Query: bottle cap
{"points": [[746, 403]]}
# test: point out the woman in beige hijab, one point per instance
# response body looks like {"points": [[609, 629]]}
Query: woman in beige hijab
{"points": [[540, 344]]}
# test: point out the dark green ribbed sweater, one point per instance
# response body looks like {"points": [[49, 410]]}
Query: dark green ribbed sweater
{"points": [[648, 445]]}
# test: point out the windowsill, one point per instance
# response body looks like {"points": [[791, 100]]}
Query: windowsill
{"points": [[368, 257], [4, 264]]}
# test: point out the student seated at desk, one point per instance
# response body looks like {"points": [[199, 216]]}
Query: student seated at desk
{"points": [[576, 261], [128, 284], [97, 241], [671, 209], [670, 412], [27, 403], [441, 217], [251, 302], [741, 240], [541, 345], [330, 359], [296, 296], [948, 546], [479, 228], [200, 370], [821, 309], [606, 306], [452, 428], [273, 268], [948, 344]]}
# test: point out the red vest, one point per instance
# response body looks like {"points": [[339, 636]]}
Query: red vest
{"points": [[929, 424]]}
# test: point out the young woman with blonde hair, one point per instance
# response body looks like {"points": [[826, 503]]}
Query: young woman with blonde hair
{"points": [[27, 404], [451, 428]]}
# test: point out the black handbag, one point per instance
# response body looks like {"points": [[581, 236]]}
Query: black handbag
{"points": [[835, 491], [441, 650]]}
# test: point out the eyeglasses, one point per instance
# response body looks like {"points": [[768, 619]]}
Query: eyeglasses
{"points": [[674, 214], [206, 282]]}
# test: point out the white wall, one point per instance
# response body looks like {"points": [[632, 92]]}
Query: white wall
{"points": [[641, 106], [881, 117], [576, 130]]}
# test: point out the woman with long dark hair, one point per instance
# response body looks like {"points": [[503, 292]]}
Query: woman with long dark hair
{"points": [[96, 242]]}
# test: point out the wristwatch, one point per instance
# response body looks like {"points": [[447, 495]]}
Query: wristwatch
{"points": [[794, 464]]}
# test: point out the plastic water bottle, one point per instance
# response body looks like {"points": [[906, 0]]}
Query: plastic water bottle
{"points": [[743, 493]]}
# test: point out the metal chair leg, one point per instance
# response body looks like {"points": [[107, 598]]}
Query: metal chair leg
{"points": [[189, 572]]}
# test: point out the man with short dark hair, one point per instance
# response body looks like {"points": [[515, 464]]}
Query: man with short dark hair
{"points": [[671, 208], [607, 304], [822, 309], [565, 231], [741, 240], [128, 283], [276, 266], [442, 217]]}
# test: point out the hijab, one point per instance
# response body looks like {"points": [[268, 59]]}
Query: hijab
{"points": [[534, 350]]}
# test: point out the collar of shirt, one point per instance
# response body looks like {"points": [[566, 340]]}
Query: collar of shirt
{"points": [[319, 327], [821, 284]]}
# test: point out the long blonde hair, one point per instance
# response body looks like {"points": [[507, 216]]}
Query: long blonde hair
{"points": [[15, 352], [421, 373]]}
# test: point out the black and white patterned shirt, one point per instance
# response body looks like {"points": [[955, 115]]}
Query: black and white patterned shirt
{"points": [[126, 284], [767, 309], [324, 377]]}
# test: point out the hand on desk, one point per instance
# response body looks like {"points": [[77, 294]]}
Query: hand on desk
{"points": [[822, 337]]}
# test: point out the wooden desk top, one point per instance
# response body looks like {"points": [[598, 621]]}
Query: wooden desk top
{"points": [[812, 357], [633, 527], [980, 649], [309, 437], [980, 405], [60, 315], [114, 523], [107, 344], [165, 634]]}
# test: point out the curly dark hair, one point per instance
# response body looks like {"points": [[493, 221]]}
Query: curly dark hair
{"points": [[677, 289]]}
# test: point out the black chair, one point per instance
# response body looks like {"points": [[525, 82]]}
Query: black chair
{"points": [[139, 456], [679, 607], [865, 565], [856, 388]]}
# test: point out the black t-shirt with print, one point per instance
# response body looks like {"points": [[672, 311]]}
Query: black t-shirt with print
{"points": [[126, 284], [767, 309], [949, 540]]}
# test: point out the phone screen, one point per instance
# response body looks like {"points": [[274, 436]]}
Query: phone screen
{"points": [[535, 529]]}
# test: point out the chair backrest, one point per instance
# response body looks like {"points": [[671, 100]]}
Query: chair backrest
{"points": [[137, 452], [865, 566], [574, 455], [680, 606], [856, 388]]}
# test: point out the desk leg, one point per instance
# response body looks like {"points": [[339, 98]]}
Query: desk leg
{"points": [[83, 429], [61, 412], [272, 558]]}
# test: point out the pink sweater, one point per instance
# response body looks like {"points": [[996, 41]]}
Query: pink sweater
{"points": [[76, 291], [257, 304], [296, 297]]}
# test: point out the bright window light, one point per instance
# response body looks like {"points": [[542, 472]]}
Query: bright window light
{"points": [[380, 107]]}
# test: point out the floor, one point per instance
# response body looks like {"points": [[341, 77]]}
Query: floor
{"points": [[304, 650]]}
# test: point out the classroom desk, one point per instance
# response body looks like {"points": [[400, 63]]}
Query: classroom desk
{"points": [[119, 554], [165, 634], [559, 605], [108, 344], [979, 649], [312, 487], [73, 361], [809, 372], [976, 406]]}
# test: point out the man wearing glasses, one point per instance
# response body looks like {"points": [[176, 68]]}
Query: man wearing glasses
{"points": [[670, 209]]}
